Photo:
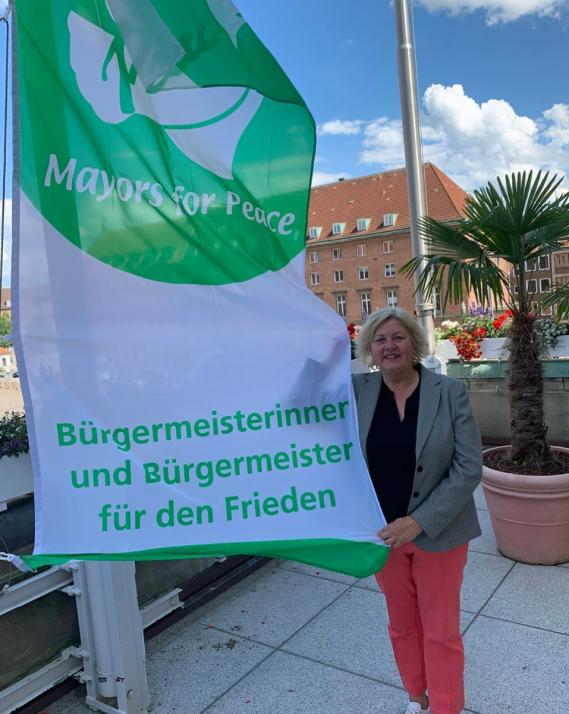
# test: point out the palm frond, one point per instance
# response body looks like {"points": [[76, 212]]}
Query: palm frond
{"points": [[559, 299]]}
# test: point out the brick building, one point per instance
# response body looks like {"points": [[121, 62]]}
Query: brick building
{"points": [[359, 237], [6, 301]]}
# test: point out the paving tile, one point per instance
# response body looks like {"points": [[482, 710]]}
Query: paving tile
{"points": [[369, 583], [482, 575], [486, 543], [465, 619], [317, 572], [479, 498], [514, 668], [187, 674], [533, 595], [285, 684], [351, 634], [273, 606]]}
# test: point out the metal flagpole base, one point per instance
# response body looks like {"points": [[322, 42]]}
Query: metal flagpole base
{"points": [[112, 641]]}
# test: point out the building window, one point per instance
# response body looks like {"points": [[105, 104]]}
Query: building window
{"points": [[365, 303], [531, 265], [313, 256], [363, 272], [314, 232], [337, 229], [436, 297], [545, 285], [390, 270], [531, 286], [388, 246], [361, 250], [315, 279], [362, 224], [341, 305], [338, 276], [543, 262], [389, 219], [392, 298], [336, 253]]}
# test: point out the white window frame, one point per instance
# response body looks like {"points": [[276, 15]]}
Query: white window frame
{"points": [[314, 231], [545, 258], [336, 254], [361, 250], [314, 279], [313, 256], [387, 246], [337, 229], [437, 303], [365, 297], [389, 219], [531, 265], [362, 224], [338, 276], [389, 270], [528, 288], [541, 288], [392, 298], [341, 305], [363, 272]]}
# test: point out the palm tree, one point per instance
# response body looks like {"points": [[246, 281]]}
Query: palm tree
{"points": [[506, 226]]}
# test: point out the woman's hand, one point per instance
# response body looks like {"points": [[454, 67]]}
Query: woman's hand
{"points": [[400, 531]]}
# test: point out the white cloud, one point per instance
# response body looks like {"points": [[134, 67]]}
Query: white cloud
{"points": [[498, 11], [474, 142], [7, 265], [383, 143], [320, 177], [335, 127]]}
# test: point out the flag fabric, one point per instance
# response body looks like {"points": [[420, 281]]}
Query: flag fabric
{"points": [[186, 394]]}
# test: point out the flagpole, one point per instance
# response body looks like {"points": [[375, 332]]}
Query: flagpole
{"points": [[410, 117]]}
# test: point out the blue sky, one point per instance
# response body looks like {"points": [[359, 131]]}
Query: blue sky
{"points": [[493, 80]]}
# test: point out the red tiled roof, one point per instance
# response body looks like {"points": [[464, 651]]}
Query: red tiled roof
{"points": [[375, 195]]}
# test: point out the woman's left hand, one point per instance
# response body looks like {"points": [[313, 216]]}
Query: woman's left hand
{"points": [[400, 531]]}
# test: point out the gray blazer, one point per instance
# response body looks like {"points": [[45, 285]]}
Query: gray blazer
{"points": [[448, 453]]}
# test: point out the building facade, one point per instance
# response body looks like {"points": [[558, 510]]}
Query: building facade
{"points": [[359, 237], [6, 301]]}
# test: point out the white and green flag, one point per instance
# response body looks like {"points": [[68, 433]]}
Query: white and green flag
{"points": [[186, 394]]}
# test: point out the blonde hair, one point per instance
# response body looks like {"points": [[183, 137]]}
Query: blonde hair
{"points": [[377, 318]]}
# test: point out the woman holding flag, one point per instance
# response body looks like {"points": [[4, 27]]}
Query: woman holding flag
{"points": [[423, 451]]}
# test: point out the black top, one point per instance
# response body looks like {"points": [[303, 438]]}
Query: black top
{"points": [[391, 451]]}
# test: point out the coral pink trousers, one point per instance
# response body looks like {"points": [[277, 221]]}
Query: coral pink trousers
{"points": [[422, 590]]}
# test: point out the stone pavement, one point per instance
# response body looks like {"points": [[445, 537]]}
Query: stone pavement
{"points": [[292, 639]]}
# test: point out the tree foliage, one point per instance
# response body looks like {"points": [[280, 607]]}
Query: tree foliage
{"points": [[507, 226]]}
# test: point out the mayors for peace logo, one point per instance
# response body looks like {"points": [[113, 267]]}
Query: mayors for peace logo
{"points": [[146, 168]]}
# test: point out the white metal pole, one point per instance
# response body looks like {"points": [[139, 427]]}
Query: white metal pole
{"points": [[410, 116]]}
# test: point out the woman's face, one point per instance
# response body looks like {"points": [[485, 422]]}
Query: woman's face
{"points": [[392, 348]]}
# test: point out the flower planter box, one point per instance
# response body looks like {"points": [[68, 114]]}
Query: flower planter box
{"points": [[16, 478], [494, 348]]}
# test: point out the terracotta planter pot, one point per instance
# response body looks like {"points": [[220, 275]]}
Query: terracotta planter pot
{"points": [[530, 515]]}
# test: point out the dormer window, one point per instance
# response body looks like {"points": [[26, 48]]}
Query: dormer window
{"points": [[389, 219], [314, 232], [362, 224], [338, 229]]}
